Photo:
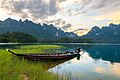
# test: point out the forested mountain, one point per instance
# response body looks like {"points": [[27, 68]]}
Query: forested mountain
{"points": [[109, 33], [39, 31], [18, 37], [47, 32]]}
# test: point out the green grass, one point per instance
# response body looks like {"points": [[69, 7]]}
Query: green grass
{"points": [[37, 49], [14, 68]]}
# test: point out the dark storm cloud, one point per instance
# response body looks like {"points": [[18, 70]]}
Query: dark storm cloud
{"points": [[31, 8]]}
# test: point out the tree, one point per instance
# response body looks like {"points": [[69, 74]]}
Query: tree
{"points": [[19, 37]]}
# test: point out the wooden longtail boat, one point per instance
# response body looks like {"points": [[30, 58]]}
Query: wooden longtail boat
{"points": [[55, 56]]}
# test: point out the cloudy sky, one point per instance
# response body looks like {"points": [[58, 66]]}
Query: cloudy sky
{"points": [[69, 15]]}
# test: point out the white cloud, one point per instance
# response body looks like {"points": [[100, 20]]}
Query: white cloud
{"points": [[63, 13], [30, 8]]}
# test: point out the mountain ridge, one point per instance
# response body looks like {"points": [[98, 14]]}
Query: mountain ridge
{"points": [[109, 33], [44, 31]]}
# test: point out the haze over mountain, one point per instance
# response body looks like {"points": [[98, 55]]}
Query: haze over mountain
{"points": [[40, 31], [109, 33]]}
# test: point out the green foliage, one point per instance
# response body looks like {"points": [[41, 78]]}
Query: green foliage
{"points": [[37, 48], [68, 40], [14, 68], [19, 37], [26, 38], [84, 40], [76, 40]]}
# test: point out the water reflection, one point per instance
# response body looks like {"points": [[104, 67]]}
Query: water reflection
{"points": [[106, 52], [100, 62], [51, 63], [88, 69]]}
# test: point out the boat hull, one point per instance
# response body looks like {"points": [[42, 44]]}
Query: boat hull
{"points": [[55, 56], [48, 57]]}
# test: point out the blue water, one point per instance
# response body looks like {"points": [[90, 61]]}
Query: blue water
{"points": [[99, 62]]}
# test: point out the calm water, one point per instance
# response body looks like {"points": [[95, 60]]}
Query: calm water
{"points": [[99, 62]]}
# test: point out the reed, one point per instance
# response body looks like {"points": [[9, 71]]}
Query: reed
{"points": [[14, 68]]}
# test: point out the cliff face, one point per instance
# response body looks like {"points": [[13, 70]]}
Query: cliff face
{"points": [[37, 30], [109, 33]]}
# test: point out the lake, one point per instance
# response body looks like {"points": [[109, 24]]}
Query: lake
{"points": [[99, 62]]}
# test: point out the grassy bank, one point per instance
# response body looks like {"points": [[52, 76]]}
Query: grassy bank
{"points": [[14, 68], [37, 48]]}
